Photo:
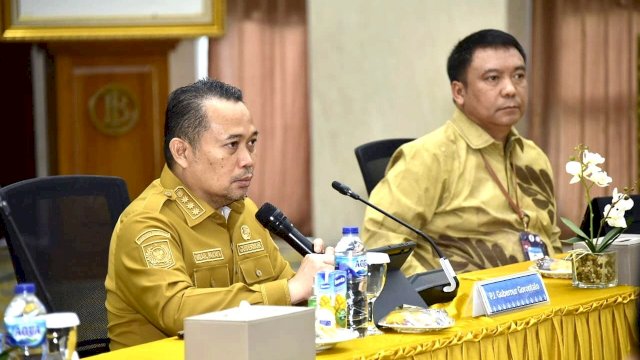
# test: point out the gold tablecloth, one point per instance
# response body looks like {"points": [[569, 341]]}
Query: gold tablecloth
{"points": [[587, 324]]}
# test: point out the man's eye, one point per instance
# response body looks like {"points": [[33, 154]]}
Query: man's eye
{"points": [[232, 145], [493, 78], [252, 144]]}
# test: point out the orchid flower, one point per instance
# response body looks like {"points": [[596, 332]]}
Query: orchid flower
{"points": [[588, 169], [614, 216], [599, 178], [574, 168], [590, 158], [621, 201]]}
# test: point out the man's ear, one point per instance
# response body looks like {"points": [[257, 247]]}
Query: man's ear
{"points": [[458, 92], [180, 150]]}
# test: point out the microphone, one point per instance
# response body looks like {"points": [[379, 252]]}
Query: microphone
{"points": [[431, 277], [274, 220]]}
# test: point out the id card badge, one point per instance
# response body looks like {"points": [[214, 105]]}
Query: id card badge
{"points": [[532, 246]]}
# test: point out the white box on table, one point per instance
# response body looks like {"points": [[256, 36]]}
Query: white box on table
{"points": [[628, 248], [250, 333]]}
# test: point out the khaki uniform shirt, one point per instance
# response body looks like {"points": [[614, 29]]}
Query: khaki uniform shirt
{"points": [[173, 256], [439, 184]]}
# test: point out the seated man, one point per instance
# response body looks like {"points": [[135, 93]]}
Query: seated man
{"points": [[190, 243], [474, 185]]}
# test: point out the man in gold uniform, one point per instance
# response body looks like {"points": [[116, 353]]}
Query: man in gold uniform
{"points": [[190, 243], [475, 185]]}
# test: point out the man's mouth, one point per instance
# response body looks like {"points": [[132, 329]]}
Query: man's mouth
{"points": [[510, 107], [244, 181]]}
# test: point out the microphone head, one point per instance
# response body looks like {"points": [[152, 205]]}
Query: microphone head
{"points": [[344, 189], [268, 214]]}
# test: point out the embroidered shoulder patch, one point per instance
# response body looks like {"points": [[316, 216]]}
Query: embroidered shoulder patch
{"points": [[151, 233], [158, 254], [250, 247]]}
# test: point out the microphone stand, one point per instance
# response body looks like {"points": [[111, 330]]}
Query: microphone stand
{"points": [[444, 262]]}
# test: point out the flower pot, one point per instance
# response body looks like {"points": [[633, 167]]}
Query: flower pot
{"points": [[595, 270]]}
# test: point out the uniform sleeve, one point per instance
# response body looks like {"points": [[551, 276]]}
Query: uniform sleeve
{"points": [[151, 277], [410, 191]]}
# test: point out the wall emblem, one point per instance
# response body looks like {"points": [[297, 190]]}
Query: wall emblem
{"points": [[113, 110]]}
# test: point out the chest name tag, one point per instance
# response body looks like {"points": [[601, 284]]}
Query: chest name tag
{"points": [[250, 247], [508, 293], [208, 255]]}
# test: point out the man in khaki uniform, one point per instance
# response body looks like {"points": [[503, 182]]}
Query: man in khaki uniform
{"points": [[190, 243], [475, 185]]}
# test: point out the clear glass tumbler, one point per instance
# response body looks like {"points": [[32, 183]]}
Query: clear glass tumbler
{"points": [[377, 263], [61, 336]]}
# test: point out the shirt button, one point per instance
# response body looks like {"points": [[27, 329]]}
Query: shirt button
{"points": [[258, 272]]}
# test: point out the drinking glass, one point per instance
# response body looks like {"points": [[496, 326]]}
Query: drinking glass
{"points": [[377, 263], [62, 335]]}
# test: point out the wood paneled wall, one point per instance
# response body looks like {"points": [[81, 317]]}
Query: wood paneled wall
{"points": [[110, 100]]}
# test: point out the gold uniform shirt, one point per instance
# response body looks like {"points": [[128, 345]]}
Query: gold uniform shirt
{"points": [[173, 256], [439, 184]]}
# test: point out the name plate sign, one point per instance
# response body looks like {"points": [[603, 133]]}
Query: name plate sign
{"points": [[508, 293]]}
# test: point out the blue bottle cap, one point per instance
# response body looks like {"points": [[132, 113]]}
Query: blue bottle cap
{"points": [[22, 288], [350, 230]]}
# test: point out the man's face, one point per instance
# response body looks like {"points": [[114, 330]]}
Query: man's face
{"points": [[495, 93], [220, 168]]}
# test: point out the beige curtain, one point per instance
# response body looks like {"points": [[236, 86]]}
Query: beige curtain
{"points": [[584, 90], [264, 52]]}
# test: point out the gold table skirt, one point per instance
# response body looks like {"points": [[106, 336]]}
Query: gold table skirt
{"points": [[587, 324]]}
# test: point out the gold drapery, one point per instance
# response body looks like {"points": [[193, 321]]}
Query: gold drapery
{"points": [[577, 324]]}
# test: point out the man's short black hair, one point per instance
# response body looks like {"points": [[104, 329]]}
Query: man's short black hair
{"points": [[186, 118], [460, 57]]}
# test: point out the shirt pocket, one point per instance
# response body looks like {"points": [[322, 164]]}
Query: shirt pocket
{"points": [[211, 276], [257, 269]]}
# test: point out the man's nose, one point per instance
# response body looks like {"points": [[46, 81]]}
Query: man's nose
{"points": [[246, 157], [509, 88]]}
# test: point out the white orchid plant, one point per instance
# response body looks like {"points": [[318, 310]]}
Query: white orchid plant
{"points": [[585, 169]]}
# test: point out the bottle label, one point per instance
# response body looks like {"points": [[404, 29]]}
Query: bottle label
{"points": [[354, 266], [26, 330]]}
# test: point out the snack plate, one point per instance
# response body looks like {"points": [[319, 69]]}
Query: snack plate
{"points": [[341, 335], [557, 274], [414, 329]]}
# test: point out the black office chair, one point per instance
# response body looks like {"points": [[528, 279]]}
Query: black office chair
{"points": [[58, 230], [373, 158], [598, 204]]}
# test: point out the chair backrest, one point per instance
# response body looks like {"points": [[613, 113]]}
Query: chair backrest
{"points": [[598, 204], [58, 230], [373, 158]]}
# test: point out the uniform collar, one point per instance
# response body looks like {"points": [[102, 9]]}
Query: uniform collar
{"points": [[477, 138], [194, 209]]}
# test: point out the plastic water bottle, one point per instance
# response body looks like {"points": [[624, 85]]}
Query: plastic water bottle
{"points": [[25, 324], [351, 256]]}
